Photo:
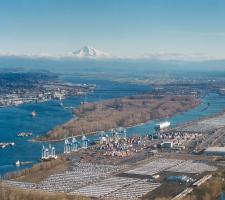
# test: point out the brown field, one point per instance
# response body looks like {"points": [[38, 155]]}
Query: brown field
{"points": [[210, 190], [129, 111], [40, 171], [9, 193]]}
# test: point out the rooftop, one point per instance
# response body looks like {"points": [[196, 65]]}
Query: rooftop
{"points": [[215, 149]]}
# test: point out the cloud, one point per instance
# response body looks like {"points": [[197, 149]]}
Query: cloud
{"points": [[182, 56], [147, 56]]}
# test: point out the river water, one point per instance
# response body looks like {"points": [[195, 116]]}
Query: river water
{"points": [[49, 114]]}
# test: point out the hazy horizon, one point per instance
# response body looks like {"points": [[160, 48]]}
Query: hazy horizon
{"points": [[70, 65], [138, 29]]}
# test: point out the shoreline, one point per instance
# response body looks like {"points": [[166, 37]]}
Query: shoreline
{"points": [[44, 139], [86, 134], [135, 125], [201, 119]]}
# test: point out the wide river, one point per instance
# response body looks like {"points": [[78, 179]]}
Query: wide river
{"points": [[49, 114]]}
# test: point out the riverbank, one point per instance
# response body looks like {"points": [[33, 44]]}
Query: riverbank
{"points": [[125, 112], [49, 115]]}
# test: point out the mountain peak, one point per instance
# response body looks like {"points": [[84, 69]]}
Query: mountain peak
{"points": [[87, 51]]}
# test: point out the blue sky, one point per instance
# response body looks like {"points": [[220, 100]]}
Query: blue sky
{"points": [[119, 27]]}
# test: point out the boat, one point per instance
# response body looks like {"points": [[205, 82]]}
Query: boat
{"points": [[7, 144], [17, 163], [33, 114], [24, 134], [162, 125]]}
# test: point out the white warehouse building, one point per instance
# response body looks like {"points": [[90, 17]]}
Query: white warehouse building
{"points": [[217, 151]]}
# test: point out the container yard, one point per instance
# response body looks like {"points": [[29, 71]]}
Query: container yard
{"points": [[172, 165], [118, 188], [127, 181], [136, 167]]}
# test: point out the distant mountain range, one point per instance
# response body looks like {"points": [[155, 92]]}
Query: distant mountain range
{"points": [[89, 52], [72, 63]]}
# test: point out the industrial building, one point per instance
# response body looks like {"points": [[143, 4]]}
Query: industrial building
{"points": [[180, 179], [167, 144], [217, 151]]}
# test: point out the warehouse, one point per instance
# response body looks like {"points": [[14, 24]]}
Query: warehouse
{"points": [[217, 151]]}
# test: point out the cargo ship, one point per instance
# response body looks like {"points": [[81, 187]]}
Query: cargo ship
{"points": [[19, 163], [162, 125]]}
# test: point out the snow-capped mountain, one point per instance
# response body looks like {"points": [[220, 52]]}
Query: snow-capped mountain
{"points": [[89, 52]]}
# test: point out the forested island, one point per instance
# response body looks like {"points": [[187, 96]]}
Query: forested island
{"points": [[128, 111]]}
